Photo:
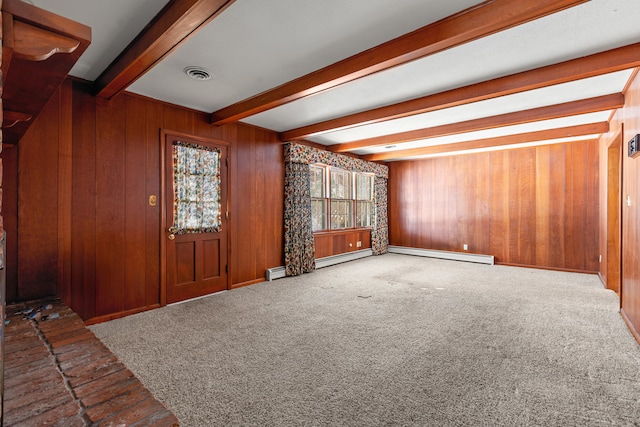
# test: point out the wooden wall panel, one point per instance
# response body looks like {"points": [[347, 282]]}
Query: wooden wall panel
{"points": [[136, 200], [110, 205], [340, 242], [510, 204], [153, 233], [9, 158], [83, 204], [38, 206], [630, 292], [257, 200], [88, 169], [65, 188]]}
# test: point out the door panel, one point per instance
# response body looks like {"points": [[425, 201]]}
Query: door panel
{"points": [[211, 252], [196, 220]]}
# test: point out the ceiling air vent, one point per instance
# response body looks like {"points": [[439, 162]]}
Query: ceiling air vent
{"points": [[197, 73]]}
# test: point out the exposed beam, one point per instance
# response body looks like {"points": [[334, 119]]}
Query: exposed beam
{"points": [[589, 66], [173, 25], [570, 131], [584, 106], [479, 21]]}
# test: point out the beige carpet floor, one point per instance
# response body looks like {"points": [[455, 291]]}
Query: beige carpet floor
{"points": [[392, 341]]}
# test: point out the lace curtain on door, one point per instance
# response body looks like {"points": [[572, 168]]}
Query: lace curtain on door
{"points": [[196, 171]]}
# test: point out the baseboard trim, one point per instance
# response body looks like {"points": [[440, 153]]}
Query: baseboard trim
{"points": [[112, 316], [544, 267], [279, 272], [630, 325], [431, 253], [247, 283]]}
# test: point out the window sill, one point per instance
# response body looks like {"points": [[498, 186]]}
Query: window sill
{"points": [[342, 231]]}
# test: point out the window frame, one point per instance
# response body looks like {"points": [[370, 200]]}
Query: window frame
{"points": [[353, 200]]}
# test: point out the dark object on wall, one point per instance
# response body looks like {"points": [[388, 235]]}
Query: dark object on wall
{"points": [[633, 146]]}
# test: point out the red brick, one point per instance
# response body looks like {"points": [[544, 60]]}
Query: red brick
{"points": [[35, 365], [31, 376], [110, 392], [26, 357], [52, 328], [64, 345], [36, 392], [30, 408], [103, 383], [118, 404], [92, 364], [145, 409], [159, 420], [82, 350], [96, 374], [67, 412]]}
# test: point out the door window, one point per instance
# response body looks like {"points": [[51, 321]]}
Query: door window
{"points": [[196, 172]]}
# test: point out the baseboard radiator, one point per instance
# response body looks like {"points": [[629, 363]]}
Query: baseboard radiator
{"points": [[455, 256], [279, 272]]}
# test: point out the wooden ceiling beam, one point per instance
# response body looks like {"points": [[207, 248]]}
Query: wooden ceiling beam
{"points": [[173, 25], [584, 106], [581, 68], [479, 21], [500, 141]]}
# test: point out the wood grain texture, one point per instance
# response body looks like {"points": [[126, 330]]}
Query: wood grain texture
{"points": [[173, 25], [589, 66], [38, 51], [511, 204], [38, 215], [65, 188], [585, 106], [340, 242], [499, 141], [83, 205], [478, 21], [9, 156], [630, 292], [113, 250]]}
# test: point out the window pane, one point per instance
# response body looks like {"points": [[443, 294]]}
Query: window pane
{"points": [[317, 181], [340, 184], [341, 214], [364, 217], [318, 214], [364, 186], [196, 187]]}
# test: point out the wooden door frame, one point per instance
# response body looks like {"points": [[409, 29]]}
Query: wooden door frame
{"points": [[616, 145], [164, 133]]}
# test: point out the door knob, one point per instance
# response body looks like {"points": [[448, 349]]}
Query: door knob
{"points": [[172, 236], [172, 230]]}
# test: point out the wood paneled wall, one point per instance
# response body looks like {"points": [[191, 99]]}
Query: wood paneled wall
{"points": [[340, 242], [532, 206], [629, 116], [86, 231]]}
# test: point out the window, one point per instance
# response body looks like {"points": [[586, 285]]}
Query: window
{"points": [[318, 199], [364, 200], [340, 199]]}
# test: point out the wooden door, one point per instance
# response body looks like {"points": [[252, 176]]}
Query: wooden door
{"points": [[196, 217]]}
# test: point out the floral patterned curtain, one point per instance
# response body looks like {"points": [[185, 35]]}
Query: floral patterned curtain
{"points": [[380, 231], [299, 250], [196, 171], [300, 153]]}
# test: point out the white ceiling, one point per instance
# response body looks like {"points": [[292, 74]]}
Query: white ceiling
{"points": [[255, 45]]}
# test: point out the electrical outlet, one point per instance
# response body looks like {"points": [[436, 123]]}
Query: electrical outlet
{"points": [[465, 247], [600, 258], [359, 244]]}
